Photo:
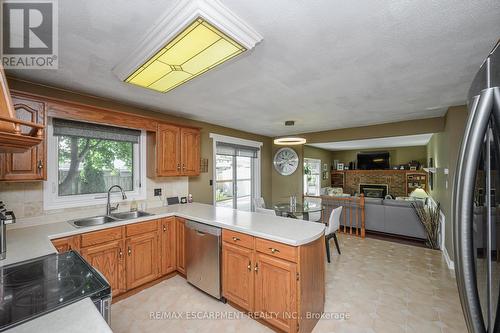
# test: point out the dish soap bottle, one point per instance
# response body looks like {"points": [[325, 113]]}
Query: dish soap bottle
{"points": [[190, 198]]}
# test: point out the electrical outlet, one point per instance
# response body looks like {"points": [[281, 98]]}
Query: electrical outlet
{"points": [[157, 192]]}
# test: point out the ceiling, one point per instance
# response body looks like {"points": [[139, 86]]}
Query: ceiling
{"points": [[392, 142], [325, 64]]}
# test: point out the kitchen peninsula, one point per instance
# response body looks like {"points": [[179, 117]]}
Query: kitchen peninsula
{"points": [[259, 253]]}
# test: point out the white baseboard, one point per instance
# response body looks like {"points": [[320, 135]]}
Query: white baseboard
{"points": [[449, 262]]}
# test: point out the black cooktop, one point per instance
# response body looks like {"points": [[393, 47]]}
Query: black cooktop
{"points": [[35, 287]]}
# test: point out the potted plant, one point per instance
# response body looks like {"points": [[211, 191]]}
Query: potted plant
{"points": [[429, 217]]}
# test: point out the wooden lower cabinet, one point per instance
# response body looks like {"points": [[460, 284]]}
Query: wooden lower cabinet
{"points": [[108, 259], [168, 246], [66, 244], [276, 291], [142, 259], [237, 275], [282, 283], [180, 226]]}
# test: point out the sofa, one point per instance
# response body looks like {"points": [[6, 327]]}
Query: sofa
{"points": [[395, 217]]}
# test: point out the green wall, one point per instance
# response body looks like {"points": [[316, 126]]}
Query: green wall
{"points": [[443, 148]]}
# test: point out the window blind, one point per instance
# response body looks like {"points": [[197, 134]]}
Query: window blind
{"points": [[236, 150], [64, 127]]}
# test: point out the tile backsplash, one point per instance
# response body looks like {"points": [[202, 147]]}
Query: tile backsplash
{"points": [[26, 200]]}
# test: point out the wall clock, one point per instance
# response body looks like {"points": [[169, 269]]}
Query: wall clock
{"points": [[286, 161]]}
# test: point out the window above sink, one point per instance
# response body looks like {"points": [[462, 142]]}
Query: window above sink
{"points": [[85, 159]]}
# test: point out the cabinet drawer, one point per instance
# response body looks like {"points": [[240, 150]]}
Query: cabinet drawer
{"points": [[141, 228], [276, 249], [101, 236], [237, 238]]}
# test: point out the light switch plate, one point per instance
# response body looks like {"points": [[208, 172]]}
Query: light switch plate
{"points": [[157, 192]]}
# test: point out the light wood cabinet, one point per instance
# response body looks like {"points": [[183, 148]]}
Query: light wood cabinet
{"points": [[168, 246], [168, 150], [31, 164], [238, 275], [142, 259], [180, 231], [276, 291], [283, 282], [66, 244], [173, 151], [190, 151], [108, 258]]}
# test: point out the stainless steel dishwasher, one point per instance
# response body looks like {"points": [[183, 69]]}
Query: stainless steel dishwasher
{"points": [[203, 249]]}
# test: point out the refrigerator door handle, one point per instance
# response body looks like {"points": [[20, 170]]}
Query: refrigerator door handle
{"points": [[463, 196]]}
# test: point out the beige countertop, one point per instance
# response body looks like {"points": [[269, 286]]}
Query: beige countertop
{"points": [[34, 241]]}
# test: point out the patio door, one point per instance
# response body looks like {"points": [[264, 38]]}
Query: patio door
{"points": [[235, 180]]}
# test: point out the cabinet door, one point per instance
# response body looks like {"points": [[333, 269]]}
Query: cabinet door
{"points": [[190, 151], [168, 161], [142, 259], [108, 259], [31, 164], [237, 275], [180, 235], [276, 291], [168, 250], [66, 244]]}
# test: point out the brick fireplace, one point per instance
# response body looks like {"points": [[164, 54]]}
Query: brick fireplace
{"points": [[394, 179]]}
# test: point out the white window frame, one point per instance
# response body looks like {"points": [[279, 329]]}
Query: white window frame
{"points": [[257, 163], [51, 199], [305, 183]]}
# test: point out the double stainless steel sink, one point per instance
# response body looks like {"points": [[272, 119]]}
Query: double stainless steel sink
{"points": [[103, 219]]}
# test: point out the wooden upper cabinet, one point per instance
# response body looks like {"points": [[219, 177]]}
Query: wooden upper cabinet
{"points": [[108, 258], [167, 246], [276, 291], [237, 275], [29, 165], [173, 151], [168, 150], [190, 152]]}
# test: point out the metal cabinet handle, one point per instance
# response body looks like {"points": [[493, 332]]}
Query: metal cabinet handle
{"points": [[129, 251], [249, 265], [121, 253], [178, 167], [40, 165], [273, 250], [236, 239], [164, 228], [256, 269], [183, 167]]}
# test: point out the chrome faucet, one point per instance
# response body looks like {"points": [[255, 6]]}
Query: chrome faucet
{"points": [[4, 219], [110, 208]]}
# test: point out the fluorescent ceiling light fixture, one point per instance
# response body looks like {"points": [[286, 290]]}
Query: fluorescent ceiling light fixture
{"points": [[192, 38], [289, 141]]}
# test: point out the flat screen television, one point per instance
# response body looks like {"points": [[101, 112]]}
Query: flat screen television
{"points": [[375, 160]]}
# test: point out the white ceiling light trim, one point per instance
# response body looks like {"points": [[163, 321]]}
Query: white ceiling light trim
{"points": [[179, 17], [387, 142]]}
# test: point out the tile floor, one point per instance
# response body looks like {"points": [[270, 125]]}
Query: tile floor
{"points": [[383, 286]]}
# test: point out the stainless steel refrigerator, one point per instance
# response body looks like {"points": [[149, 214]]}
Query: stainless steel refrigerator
{"points": [[476, 205]]}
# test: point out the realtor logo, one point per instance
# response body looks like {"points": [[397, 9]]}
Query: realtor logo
{"points": [[29, 34]]}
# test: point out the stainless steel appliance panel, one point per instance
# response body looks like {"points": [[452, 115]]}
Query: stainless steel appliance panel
{"points": [[203, 250]]}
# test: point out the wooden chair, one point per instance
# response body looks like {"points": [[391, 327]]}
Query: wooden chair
{"points": [[331, 230], [259, 203], [265, 211]]}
